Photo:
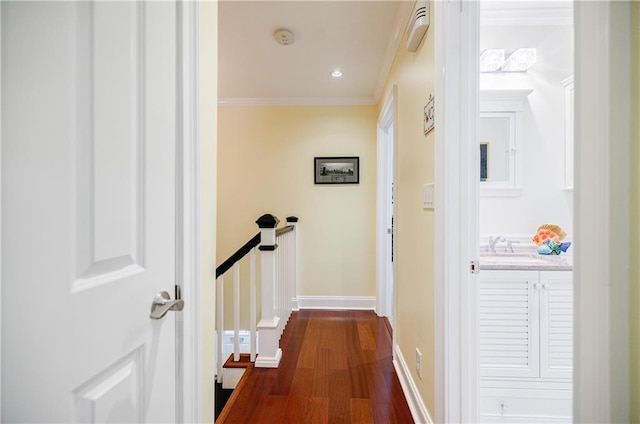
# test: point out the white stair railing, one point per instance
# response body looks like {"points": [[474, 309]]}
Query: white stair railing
{"points": [[278, 282]]}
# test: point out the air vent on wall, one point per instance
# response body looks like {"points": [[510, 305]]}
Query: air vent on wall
{"points": [[418, 25]]}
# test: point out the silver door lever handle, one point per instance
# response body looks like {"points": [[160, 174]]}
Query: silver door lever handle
{"points": [[162, 304]]}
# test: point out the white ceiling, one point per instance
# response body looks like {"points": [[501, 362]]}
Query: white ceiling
{"points": [[358, 37]]}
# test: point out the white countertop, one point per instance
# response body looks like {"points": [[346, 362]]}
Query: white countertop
{"points": [[525, 262]]}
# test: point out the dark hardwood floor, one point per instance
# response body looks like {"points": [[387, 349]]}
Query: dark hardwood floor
{"points": [[336, 368]]}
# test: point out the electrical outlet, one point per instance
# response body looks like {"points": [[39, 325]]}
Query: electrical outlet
{"points": [[419, 363]]}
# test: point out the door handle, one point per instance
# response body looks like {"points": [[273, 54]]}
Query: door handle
{"points": [[162, 304]]}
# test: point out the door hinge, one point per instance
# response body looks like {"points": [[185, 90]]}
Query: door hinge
{"points": [[474, 267]]}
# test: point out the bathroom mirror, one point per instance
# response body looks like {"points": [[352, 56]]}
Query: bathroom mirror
{"points": [[500, 142], [496, 138]]}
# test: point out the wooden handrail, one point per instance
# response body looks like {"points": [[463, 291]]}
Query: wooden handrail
{"points": [[284, 230], [246, 248], [239, 254]]}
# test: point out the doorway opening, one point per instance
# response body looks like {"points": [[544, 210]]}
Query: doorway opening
{"points": [[523, 350], [385, 275]]}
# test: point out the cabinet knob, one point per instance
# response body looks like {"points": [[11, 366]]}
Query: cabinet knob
{"points": [[536, 286], [504, 407], [545, 286]]}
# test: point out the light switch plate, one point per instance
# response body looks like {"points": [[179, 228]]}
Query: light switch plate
{"points": [[428, 196]]}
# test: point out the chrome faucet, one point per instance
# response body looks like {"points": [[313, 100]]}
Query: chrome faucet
{"points": [[510, 245], [494, 241]]}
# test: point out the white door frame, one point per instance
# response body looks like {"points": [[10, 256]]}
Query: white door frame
{"points": [[456, 236], [601, 361], [188, 346], [388, 117], [601, 332], [0, 213]]}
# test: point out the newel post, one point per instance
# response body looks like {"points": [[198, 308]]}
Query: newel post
{"points": [[269, 352], [293, 220]]}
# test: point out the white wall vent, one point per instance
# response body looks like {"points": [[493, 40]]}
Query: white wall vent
{"points": [[418, 25]]}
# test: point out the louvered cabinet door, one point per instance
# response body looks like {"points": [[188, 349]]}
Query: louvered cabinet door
{"points": [[556, 324], [509, 324]]}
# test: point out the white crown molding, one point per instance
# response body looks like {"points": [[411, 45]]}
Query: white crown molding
{"points": [[528, 16], [312, 101], [402, 18]]}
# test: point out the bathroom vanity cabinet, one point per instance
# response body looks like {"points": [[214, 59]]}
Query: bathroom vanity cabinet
{"points": [[525, 345]]}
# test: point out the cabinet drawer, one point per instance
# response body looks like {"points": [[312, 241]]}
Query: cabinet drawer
{"points": [[526, 405]]}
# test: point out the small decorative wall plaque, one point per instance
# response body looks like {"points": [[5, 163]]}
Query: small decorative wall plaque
{"points": [[429, 115]]}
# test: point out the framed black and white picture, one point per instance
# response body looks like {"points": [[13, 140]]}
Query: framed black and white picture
{"points": [[429, 116], [484, 160], [337, 170]]}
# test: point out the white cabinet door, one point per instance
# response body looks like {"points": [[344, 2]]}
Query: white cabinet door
{"points": [[88, 211], [509, 324], [556, 324]]}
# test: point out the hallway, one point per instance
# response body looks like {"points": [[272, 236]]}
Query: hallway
{"points": [[336, 368]]}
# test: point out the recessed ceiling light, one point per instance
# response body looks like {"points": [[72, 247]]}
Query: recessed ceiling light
{"points": [[336, 73]]}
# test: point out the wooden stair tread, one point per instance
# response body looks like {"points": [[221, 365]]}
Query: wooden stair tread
{"points": [[235, 394], [244, 362]]}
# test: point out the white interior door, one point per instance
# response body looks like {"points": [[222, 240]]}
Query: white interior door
{"points": [[390, 245], [385, 305], [88, 211]]}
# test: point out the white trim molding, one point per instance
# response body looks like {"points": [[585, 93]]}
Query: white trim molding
{"points": [[457, 162], [401, 20], [337, 302], [417, 407], [386, 120], [311, 101], [188, 346], [602, 103]]}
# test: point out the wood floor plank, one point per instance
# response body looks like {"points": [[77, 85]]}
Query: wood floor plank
{"points": [[300, 392], [360, 411], [320, 382], [367, 341], [272, 410], [317, 411], [336, 368]]}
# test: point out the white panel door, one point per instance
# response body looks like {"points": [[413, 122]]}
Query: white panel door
{"points": [[88, 211], [556, 324], [509, 324]]}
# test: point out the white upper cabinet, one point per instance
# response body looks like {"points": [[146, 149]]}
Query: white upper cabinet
{"points": [[501, 142]]}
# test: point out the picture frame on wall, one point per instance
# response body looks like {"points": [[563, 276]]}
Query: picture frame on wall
{"points": [[336, 170], [484, 161], [429, 117]]}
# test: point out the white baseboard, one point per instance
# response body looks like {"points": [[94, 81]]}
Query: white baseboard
{"points": [[336, 302], [416, 405]]}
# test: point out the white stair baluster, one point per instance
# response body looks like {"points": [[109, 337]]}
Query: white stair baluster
{"points": [[236, 311], [219, 307], [252, 303]]}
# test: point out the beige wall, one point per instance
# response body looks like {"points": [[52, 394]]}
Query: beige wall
{"points": [[208, 104], [265, 165], [413, 73], [634, 282]]}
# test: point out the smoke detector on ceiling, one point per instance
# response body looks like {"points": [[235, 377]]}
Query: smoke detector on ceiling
{"points": [[284, 36], [418, 25]]}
